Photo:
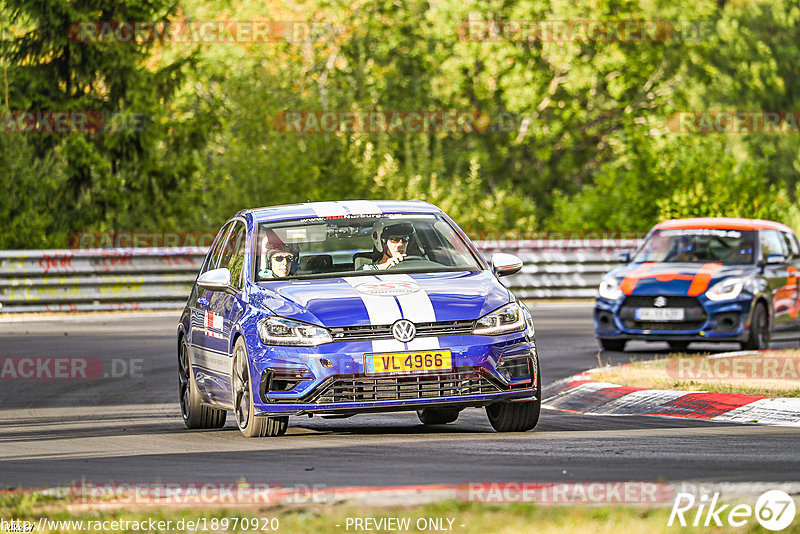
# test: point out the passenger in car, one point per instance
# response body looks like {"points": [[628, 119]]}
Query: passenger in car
{"points": [[281, 260]]}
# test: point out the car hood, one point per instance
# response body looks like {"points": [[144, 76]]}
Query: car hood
{"points": [[690, 279], [382, 299]]}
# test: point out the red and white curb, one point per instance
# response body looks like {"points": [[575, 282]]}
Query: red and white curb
{"points": [[581, 394]]}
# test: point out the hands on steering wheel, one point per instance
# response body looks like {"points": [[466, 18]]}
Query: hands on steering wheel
{"points": [[396, 260]]}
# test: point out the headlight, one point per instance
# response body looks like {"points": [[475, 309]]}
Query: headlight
{"points": [[509, 318], [280, 331], [609, 289], [726, 289]]}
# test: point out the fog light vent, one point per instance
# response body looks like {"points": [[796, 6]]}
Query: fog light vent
{"points": [[516, 369], [727, 322], [605, 321]]}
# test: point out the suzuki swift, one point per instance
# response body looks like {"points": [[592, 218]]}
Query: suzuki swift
{"points": [[704, 279]]}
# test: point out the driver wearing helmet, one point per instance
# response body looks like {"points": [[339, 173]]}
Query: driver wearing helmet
{"points": [[391, 240], [687, 250], [278, 259]]}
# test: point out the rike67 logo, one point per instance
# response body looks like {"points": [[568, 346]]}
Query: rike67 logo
{"points": [[774, 510]]}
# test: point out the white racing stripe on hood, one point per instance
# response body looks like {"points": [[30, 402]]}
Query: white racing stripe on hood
{"points": [[417, 308], [361, 207], [381, 311], [328, 209]]}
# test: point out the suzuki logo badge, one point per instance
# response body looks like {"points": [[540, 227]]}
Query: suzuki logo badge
{"points": [[660, 302], [404, 330]]}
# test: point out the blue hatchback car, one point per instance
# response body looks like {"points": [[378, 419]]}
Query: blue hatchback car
{"points": [[704, 279], [340, 308]]}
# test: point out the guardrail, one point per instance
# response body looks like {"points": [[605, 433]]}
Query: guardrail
{"points": [[161, 278], [560, 269]]}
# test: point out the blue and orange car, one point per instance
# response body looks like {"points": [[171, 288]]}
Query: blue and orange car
{"points": [[704, 279], [341, 308]]}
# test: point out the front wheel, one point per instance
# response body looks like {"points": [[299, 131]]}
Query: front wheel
{"points": [[195, 414], [678, 346], [518, 416], [437, 416], [249, 424], [514, 416], [617, 345], [758, 339]]}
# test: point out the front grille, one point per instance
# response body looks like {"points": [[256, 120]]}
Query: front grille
{"points": [[358, 388], [369, 332], [694, 314]]}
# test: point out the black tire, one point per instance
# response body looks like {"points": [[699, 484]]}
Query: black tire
{"points": [[195, 414], [613, 344], [437, 416], [758, 339], [678, 346], [517, 416], [243, 407]]}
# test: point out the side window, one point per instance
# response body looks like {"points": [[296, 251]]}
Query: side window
{"points": [[771, 243], [791, 244], [213, 256], [233, 254]]}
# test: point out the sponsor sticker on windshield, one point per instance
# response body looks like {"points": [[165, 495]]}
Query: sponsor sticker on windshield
{"points": [[703, 231]]}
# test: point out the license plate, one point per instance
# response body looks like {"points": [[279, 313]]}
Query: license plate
{"points": [[659, 314], [408, 362]]}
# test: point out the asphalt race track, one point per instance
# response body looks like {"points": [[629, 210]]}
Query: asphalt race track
{"points": [[124, 425]]}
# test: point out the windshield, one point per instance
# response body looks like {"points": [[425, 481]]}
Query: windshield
{"points": [[338, 246], [699, 246]]}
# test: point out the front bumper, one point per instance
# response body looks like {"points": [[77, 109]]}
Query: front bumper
{"points": [[330, 379], [726, 321]]}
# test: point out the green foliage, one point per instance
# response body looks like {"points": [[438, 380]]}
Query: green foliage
{"points": [[588, 150], [30, 186], [671, 177], [132, 175]]}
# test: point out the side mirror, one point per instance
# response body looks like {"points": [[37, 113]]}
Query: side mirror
{"points": [[775, 258], [505, 264], [215, 280], [625, 257]]}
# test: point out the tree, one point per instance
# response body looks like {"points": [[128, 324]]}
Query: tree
{"points": [[140, 163]]}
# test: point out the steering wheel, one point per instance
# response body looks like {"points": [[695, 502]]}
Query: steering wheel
{"points": [[416, 262]]}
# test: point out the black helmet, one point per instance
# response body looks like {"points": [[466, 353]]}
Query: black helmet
{"points": [[384, 229]]}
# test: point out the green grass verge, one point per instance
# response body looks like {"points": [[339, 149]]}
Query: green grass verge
{"points": [[773, 374]]}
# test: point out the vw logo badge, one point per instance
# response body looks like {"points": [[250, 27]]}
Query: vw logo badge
{"points": [[660, 302], [404, 330]]}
